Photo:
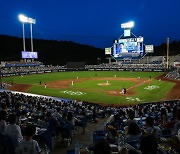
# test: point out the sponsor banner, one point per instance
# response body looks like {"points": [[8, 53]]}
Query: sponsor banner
{"points": [[32, 72], [22, 73], [128, 69], [138, 69], [120, 69], [47, 71], [158, 70], [149, 70], [6, 75], [54, 71]]}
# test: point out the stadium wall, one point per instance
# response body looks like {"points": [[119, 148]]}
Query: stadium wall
{"points": [[90, 69]]}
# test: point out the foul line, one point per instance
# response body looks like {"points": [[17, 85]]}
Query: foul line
{"points": [[137, 85]]}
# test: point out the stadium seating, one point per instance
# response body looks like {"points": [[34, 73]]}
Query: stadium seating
{"points": [[36, 110]]}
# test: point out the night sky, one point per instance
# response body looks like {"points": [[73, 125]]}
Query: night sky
{"points": [[93, 22]]}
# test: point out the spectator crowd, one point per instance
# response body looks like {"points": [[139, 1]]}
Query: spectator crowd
{"points": [[32, 124], [126, 65], [173, 75], [31, 69]]}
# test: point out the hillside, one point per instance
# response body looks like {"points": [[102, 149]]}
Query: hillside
{"points": [[59, 52], [50, 51]]}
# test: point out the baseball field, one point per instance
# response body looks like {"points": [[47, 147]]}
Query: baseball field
{"points": [[103, 87]]}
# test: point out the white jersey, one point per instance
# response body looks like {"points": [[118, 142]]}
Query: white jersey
{"points": [[28, 147]]}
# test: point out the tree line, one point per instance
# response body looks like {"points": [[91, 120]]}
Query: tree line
{"points": [[59, 52]]}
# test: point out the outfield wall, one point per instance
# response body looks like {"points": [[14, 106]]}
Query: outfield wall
{"points": [[90, 69]]}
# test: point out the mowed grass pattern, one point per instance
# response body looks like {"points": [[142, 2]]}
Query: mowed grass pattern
{"points": [[92, 92], [36, 78]]}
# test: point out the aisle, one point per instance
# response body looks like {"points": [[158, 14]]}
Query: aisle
{"points": [[85, 139]]}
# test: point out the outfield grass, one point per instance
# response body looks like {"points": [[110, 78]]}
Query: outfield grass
{"points": [[36, 78], [90, 91]]}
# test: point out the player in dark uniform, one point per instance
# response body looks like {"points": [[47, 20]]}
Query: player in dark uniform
{"points": [[124, 90]]}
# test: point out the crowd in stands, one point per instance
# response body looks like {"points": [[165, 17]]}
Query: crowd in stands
{"points": [[173, 75], [30, 69], [33, 124], [52, 118], [125, 65], [158, 123], [20, 63]]}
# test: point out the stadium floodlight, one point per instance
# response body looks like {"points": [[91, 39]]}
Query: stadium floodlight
{"points": [[31, 21], [127, 25], [24, 19]]}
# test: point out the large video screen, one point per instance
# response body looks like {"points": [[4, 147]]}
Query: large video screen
{"points": [[29, 55], [128, 48]]}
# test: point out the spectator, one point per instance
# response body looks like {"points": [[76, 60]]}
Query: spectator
{"points": [[71, 119], [52, 124], [3, 124], [17, 110], [170, 124], [131, 118], [151, 129], [177, 124], [3, 107], [133, 133], [57, 114], [13, 131], [28, 145]]}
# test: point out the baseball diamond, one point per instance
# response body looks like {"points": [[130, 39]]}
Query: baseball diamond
{"points": [[99, 87]]}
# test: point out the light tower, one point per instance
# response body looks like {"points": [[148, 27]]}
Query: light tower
{"points": [[127, 28], [24, 19]]}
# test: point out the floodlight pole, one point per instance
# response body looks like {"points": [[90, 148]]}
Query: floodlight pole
{"points": [[167, 60], [24, 44], [31, 37]]}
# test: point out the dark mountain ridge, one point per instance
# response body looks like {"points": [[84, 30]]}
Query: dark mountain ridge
{"points": [[59, 52]]}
